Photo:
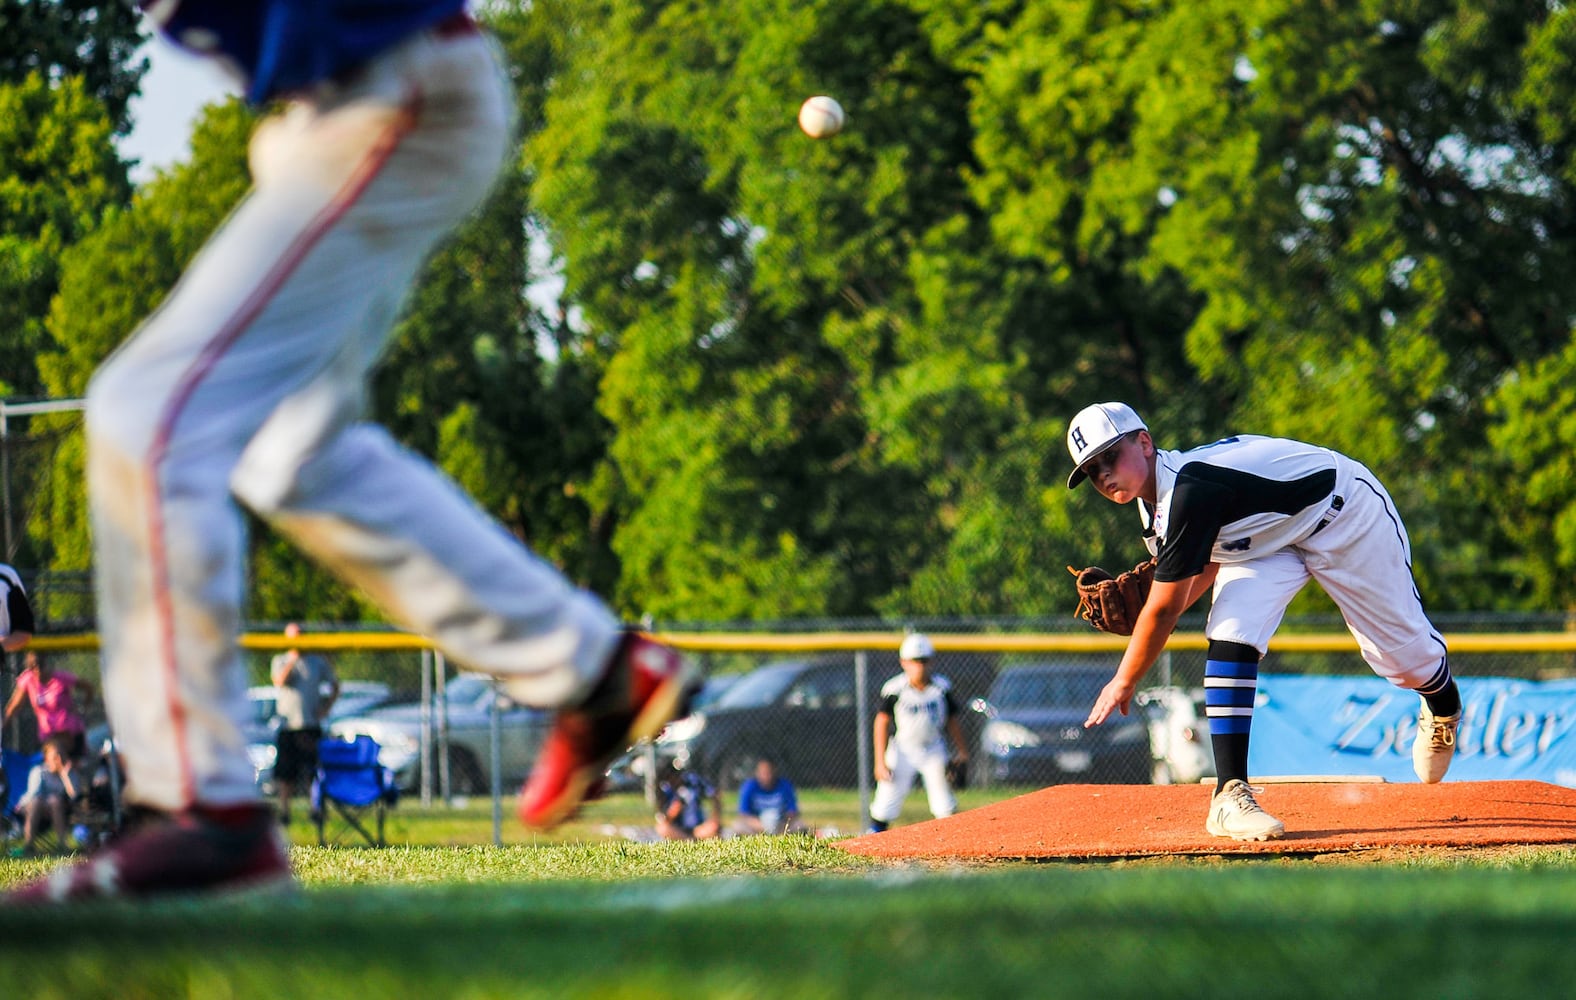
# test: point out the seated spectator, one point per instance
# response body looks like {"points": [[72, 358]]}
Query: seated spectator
{"points": [[53, 789], [767, 803], [684, 798]]}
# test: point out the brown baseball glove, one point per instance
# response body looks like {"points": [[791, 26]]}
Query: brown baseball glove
{"points": [[1111, 603]]}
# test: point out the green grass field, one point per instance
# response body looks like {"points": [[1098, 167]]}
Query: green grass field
{"points": [[447, 915]]}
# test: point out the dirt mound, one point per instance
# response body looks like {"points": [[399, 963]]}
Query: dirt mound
{"points": [[1121, 821]]}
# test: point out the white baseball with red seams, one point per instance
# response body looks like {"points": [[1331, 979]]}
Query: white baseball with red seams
{"points": [[250, 381], [821, 116]]}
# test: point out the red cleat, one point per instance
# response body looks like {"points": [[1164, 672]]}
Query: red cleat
{"points": [[647, 685], [228, 851]]}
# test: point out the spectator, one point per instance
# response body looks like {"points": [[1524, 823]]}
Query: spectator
{"points": [[307, 687], [917, 713], [52, 695], [768, 803], [685, 800], [53, 788], [16, 614]]}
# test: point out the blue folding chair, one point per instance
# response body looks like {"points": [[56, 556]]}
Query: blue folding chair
{"points": [[15, 766], [350, 783]]}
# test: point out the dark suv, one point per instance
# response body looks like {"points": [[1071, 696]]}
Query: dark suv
{"points": [[804, 715], [1036, 733]]}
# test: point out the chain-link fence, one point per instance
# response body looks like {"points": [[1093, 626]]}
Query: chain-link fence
{"points": [[807, 698]]}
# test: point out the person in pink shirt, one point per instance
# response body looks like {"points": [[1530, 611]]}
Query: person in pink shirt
{"points": [[52, 695]]}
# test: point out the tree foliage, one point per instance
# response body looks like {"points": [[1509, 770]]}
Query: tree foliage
{"points": [[1339, 222], [112, 278], [94, 42], [787, 377], [58, 175]]}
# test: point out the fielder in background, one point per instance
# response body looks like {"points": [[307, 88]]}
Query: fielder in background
{"points": [[1255, 518], [917, 714], [249, 384]]}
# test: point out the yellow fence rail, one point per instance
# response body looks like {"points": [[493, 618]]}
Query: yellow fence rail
{"points": [[822, 642]]}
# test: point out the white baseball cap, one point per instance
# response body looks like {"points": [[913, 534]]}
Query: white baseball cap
{"points": [[916, 647], [1097, 427]]}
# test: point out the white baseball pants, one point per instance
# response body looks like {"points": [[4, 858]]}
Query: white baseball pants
{"points": [[905, 764], [1363, 560], [249, 383]]}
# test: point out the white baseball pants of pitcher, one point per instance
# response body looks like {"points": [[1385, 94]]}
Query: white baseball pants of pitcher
{"points": [[1363, 560], [249, 383]]}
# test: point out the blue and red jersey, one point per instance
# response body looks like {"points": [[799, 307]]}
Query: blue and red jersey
{"points": [[280, 46]]}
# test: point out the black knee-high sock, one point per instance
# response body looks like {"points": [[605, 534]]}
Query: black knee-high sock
{"points": [[1441, 693], [1231, 674]]}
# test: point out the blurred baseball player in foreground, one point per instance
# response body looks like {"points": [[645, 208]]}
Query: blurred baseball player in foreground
{"points": [[1256, 518], [248, 383]]}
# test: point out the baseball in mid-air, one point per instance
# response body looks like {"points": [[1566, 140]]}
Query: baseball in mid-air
{"points": [[821, 116]]}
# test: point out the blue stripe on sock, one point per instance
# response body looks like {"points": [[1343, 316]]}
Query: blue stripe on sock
{"points": [[1225, 668], [1230, 697], [1229, 725], [1239, 695]]}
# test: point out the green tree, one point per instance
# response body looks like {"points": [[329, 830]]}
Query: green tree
{"points": [[95, 42], [1534, 466], [789, 377], [750, 285], [1355, 197], [112, 278], [58, 175]]}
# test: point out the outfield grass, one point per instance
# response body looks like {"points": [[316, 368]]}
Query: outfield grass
{"points": [[796, 917], [835, 811]]}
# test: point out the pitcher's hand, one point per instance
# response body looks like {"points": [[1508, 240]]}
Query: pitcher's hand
{"points": [[1117, 695]]}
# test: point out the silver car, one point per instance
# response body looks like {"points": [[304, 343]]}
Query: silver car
{"points": [[1178, 735], [468, 700], [262, 729]]}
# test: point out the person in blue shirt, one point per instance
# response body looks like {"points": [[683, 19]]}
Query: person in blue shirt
{"points": [[768, 803], [689, 809]]}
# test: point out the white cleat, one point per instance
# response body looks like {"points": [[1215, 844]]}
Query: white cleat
{"points": [[1235, 813], [1435, 745]]}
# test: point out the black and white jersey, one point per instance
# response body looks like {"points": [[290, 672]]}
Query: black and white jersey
{"points": [[919, 715], [1236, 500], [16, 614]]}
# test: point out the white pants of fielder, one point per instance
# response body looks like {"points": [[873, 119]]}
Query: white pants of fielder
{"points": [[248, 383], [930, 765], [1363, 560]]}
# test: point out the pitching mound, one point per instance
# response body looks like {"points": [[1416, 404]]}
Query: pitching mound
{"points": [[1124, 821]]}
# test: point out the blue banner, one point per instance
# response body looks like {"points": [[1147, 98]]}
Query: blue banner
{"points": [[1510, 729]]}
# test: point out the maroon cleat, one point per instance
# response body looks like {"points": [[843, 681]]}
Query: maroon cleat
{"points": [[223, 851], [647, 685]]}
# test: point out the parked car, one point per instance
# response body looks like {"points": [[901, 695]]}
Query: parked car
{"points": [[262, 729], [469, 698], [1178, 735], [1036, 736], [804, 714]]}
